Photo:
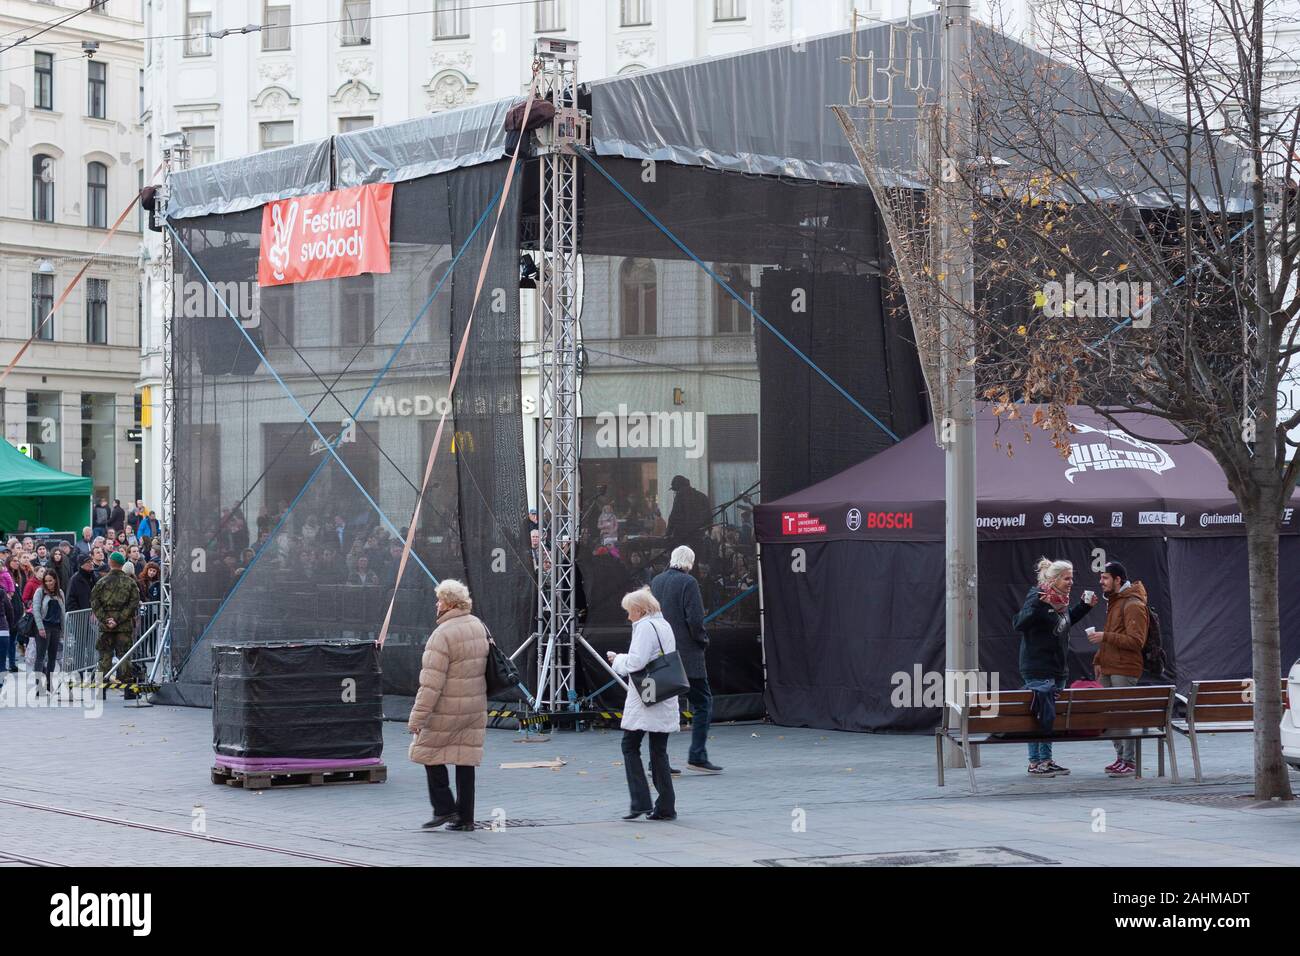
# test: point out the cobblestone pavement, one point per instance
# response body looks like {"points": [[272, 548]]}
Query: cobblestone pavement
{"points": [[789, 795]]}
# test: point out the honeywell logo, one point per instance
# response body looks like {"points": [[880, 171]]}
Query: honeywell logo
{"points": [[1001, 521], [76, 909]]}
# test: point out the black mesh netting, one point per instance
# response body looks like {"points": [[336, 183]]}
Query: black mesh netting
{"points": [[275, 538], [682, 386]]}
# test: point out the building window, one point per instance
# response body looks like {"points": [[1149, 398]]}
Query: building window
{"points": [[277, 134], [275, 26], [42, 303], [356, 22], [97, 311], [350, 124], [639, 297], [96, 89], [198, 23], [98, 440], [728, 10], [44, 81], [141, 221], [358, 313], [732, 318], [97, 196], [275, 305], [142, 92], [202, 141], [450, 20], [44, 421], [550, 16], [43, 188], [634, 13]]}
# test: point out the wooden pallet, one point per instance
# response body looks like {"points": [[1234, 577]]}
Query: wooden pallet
{"points": [[264, 779]]}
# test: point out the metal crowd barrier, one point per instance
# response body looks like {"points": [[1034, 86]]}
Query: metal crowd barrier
{"points": [[81, 632]]}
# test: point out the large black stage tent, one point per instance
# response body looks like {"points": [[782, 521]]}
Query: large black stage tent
{"points": [[853, 567], [742, 160]]}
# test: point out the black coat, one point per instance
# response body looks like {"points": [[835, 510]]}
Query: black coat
{"points": [[79, 589], [1045, 635], [117, 519], [678, 594], [8, 619]]}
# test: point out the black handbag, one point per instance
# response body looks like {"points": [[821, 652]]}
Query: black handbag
{"points": [[26, 629], [662, 679], [502, 675]]}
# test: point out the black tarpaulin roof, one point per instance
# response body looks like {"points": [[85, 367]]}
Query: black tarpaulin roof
{"points": [[1112, 483]]}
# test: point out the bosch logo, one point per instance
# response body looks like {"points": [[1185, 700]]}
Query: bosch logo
{"points": [[896, 520], [854, 519]]}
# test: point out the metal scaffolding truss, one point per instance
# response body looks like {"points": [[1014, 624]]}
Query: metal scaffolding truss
{"points": [[557, 286], [176, 158]]}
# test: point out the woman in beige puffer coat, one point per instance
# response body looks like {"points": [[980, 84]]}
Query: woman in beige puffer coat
{"points": [[449, 717]]}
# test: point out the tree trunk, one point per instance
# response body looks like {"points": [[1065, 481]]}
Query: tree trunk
{"points": [[1266, 655]]}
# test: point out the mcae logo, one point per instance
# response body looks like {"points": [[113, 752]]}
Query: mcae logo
{"points": [[76, 909]]}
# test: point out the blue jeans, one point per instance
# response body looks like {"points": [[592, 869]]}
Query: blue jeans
{"points": [[1041, 750], [701, 701], [7, 646]]}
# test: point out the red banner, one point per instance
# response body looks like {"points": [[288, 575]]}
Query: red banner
{"points": [[326, 235]]}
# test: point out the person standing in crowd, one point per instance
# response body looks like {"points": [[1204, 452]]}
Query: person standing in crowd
{"points": [[449, 716], [114, 600], [691, 516], [80, 586], [14, 566], [47, 610], [133, 519], [117, 517], [651, 636], [678, 594], [363, 576], [1119, 648], [61, 567], [87, 536], [150, 582], [148, 527], [1044, 622], [99, 517], [8, 619], [98, 562]]}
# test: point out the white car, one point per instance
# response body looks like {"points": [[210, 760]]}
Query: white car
{"points": [[1291, 720]]}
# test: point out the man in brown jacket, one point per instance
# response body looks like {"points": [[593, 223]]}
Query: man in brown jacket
{"points": [[1119, 648]]}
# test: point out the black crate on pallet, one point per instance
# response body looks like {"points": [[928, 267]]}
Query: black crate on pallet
{"points": [[319, 700]]}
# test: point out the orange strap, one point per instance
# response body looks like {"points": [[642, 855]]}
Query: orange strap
{"points": [[460, 358]]}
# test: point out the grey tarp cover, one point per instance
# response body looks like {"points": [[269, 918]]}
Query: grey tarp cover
{"points": [[423, 146], [250, 181], [767, 111]]}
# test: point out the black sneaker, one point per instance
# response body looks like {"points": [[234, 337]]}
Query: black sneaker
{"points": [[438, 821], [704, 767], [674, 771]]}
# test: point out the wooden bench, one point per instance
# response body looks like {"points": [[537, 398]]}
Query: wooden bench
{"points": [[1218, 707], [1085, 713]]}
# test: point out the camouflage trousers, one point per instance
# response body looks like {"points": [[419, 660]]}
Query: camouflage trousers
{"points": [[111, 644]]}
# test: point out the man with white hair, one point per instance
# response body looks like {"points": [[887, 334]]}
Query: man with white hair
{"points": [[678, 594]]}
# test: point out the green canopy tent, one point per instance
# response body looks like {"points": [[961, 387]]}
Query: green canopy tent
{"points": [[39, 495]]}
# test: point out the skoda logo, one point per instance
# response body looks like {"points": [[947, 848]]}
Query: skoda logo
{"points": [[1048, 520], [854, 519]]}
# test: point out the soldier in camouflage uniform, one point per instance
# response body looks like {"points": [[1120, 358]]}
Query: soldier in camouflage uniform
{"points": [[114, 601]]}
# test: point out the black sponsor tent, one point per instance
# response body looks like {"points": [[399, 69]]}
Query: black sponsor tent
{"points": [[853, 567]]}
